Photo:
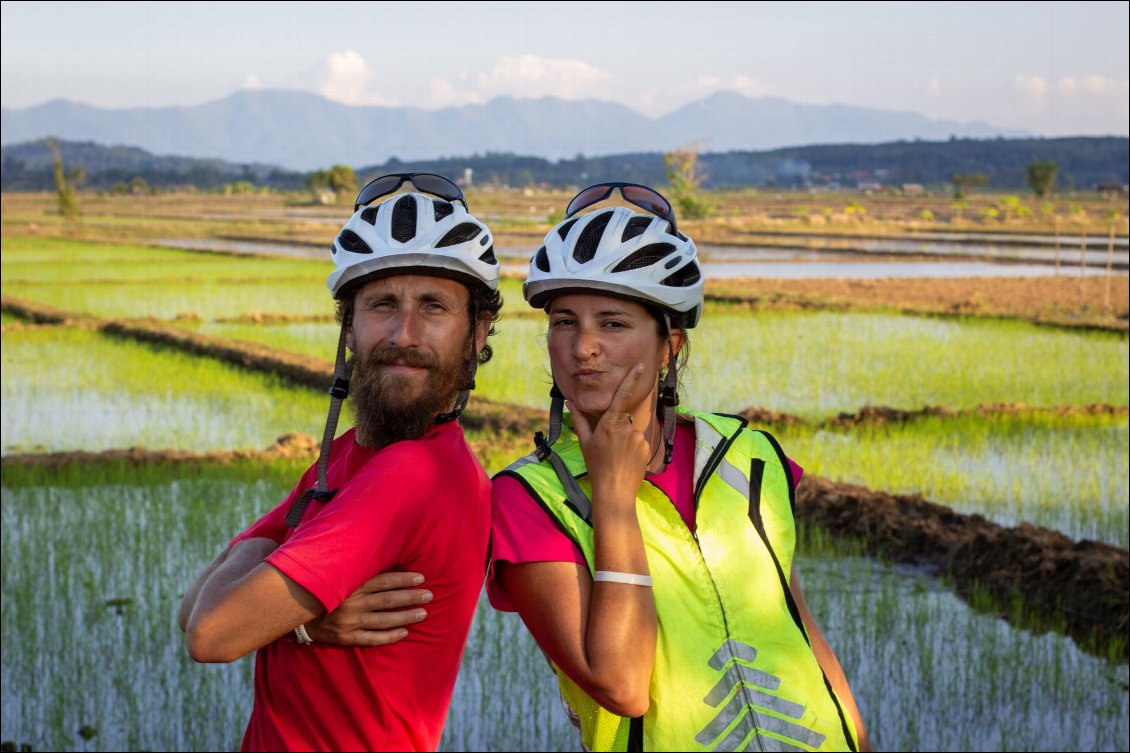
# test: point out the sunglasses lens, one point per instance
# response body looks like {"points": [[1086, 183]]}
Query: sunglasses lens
{"points": [[647, 199], [438, 186], [588, 197], [377, 188]]}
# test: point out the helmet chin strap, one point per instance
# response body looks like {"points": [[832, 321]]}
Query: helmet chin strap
{"points": [[574, 494], [339, 390], [669, 396]]}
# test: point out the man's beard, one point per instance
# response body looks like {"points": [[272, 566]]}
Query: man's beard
{"points": [[390, 408]]}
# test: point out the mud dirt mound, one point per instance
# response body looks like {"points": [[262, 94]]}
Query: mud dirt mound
{"points": [[882, 414], [294, 445], [1065, 300], [1084, 583], [757, 416]]}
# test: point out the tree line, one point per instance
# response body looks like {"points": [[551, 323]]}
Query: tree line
{"points": [[996, 164]]}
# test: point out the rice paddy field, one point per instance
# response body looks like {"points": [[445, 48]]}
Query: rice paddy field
{"points": [[97, 552]]}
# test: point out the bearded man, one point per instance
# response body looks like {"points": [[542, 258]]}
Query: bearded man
{"points": [[400, 497]]}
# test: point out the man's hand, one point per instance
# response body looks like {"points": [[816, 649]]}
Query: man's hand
{"points": [[376, 614]]}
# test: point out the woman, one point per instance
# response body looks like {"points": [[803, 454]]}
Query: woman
{"points": [[647, 548]]}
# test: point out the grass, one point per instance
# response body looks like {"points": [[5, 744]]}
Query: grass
{"points": [[1068, 473], [114, 546], [106, 393], [65, 261], [816, 364], [907, 645]]}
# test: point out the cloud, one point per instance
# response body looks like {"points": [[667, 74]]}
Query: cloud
{"points": [[252, 81], [533, 76], [1092, 84], [444, 93], [1033, 88], [524, 77], [708, 84], [345, 77], [934, 87], [1068, 105]]}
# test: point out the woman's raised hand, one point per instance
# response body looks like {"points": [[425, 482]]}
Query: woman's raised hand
{"points": [[616, 452]]}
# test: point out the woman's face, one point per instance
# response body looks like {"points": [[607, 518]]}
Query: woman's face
{"points": [[594, 341]]}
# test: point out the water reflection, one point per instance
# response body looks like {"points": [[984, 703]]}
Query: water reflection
{"points": [[727, 262]]}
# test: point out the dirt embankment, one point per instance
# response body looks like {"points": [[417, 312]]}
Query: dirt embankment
{"points": [[1085, 583], [1065, 301], [878, 415]]}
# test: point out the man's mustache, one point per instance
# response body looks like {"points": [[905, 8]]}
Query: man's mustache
{"points": [[392, 356]]}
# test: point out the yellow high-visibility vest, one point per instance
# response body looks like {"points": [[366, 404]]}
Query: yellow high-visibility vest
{"points": [[734, 668]]}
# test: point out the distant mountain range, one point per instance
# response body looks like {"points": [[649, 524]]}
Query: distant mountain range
{"points": [[303, 131]]}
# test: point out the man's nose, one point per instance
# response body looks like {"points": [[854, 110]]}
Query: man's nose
{"points": [[406, 330]]}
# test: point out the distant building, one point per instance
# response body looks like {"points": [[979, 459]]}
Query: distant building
{"points": [[912, 189], [1111, 190]]}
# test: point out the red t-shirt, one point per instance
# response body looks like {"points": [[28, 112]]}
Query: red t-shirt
{"points": [[421, 506], [521, 531]]}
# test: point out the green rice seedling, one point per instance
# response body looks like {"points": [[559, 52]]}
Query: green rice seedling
{"points": [[93, 572], [1068, 472], [816, 364], [106, 393], [61, 261], [168, 299], [315, 338], [92, 579], [929, 672]]}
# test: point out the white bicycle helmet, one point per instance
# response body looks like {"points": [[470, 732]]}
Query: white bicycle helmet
{"points": [[624, 253], [412, 232]]}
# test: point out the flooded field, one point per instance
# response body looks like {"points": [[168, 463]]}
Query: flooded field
{"points": [[125, 678], [1034, 430]]}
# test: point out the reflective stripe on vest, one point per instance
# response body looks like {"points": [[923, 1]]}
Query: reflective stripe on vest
{"points": [[733, 666]]}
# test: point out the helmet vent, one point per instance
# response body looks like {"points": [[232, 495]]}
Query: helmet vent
{"points": [[461, 233], [442, 209], [404, 219], [353, 243], [484, 240], [541, 260], [635, 227], [650, 254], [683, 278], [488, 256], [564, 229], [370, 215], [587, 244]]}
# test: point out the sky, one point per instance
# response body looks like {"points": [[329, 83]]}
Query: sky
{"points": [[1053, 69]]}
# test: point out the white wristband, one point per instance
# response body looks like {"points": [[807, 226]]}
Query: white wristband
{"points": [[632, 579], [302, 636]]}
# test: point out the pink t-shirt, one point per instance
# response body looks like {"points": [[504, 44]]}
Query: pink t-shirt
{"points": [[421, 506], [521, 531]]}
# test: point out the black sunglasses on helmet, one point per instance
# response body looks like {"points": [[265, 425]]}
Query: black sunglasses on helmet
{"points": [[436, 185], [641, 196]]}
